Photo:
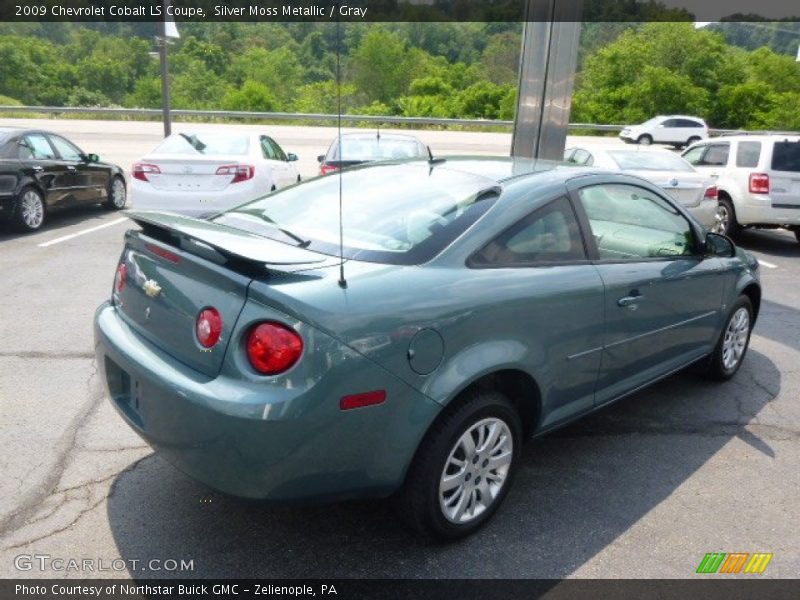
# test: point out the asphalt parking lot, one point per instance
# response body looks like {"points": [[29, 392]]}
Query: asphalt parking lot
{"points": [[642, 489]]}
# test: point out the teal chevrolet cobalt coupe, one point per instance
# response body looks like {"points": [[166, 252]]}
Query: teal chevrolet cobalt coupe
{"points": [[407, 341]]}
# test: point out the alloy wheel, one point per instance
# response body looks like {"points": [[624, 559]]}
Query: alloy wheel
{"points": [[734, 343], [476, 470], [118, 193], [722, 219], [32, 209]]}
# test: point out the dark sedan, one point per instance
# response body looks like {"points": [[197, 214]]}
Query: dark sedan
{"points": [[42, 171], [353, 149]]}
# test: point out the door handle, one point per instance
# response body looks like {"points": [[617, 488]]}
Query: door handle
{"points": [[38, 169], [630, 300], [71, 169]]}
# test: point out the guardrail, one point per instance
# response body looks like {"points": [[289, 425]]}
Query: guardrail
{"points": [[156, 114]]}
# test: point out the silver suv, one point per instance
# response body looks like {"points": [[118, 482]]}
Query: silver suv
{"points": [[758, 178]]}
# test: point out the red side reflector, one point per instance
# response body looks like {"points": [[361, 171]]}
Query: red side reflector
{"points": [[166, 254], [362, 400], [712, 192]]}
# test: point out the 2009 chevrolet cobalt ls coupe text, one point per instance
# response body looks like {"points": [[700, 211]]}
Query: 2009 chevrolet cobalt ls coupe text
{"points": [[483, 301]]}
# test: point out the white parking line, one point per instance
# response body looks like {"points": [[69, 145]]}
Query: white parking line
{"points": [[769, 265], [64, 238]]}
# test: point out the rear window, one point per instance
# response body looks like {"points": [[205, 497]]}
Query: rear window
{"points": [[629, 160], [747, 154], [381, 221], [786, 156], [376, 149], [203, 143]]}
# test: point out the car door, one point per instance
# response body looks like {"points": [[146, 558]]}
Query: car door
{"points": [[282, 172], [90, 179], [669, 132], [35, 153], [553, 304], [662, 297], [713, 161]]}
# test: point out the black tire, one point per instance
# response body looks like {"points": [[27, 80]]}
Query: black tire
{"points": [[692, 140], [418, 502], [645, 140], [797, 235], [298, 179], [29, 199], [732, 228], [114, 202], [717, 367]]}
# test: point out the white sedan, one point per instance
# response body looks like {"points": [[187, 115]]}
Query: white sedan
{"points": [[695, 191], [203, 173]]}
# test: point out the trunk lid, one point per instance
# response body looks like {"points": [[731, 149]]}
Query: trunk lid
{"points": [[178, 266], [181, 173], [686, 188]]}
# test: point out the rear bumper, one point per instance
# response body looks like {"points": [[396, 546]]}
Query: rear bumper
{"points": [[145, 197], [758, 209], [244, 437]]}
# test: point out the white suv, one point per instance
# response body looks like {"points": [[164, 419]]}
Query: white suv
{"points": [[758, 178], [676, 130]]}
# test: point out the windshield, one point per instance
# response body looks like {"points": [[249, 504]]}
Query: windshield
{"points": [[381, 221], [203, 143], [362, 149], [653, 121], [632, 160]]}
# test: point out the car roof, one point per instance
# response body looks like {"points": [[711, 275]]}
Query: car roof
{"points": [[771, 137], [680, 117], [382, 135]]}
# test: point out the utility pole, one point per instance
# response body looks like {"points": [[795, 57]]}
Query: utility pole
{"points": [[166, 33]]}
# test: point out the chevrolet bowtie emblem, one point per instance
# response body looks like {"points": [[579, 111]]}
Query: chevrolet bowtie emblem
{"points": [[151, 288]]}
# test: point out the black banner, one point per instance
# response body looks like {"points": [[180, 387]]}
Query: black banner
{"points": [[197, 11], [739, 588]]}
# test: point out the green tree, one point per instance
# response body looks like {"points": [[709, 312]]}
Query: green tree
{"points": [[251, 96]]}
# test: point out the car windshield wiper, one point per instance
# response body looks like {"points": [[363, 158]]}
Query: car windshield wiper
{"points": [[302, 243], [194, 142]]}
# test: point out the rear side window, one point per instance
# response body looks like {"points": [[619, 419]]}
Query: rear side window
{"points": [[689, 123], [549, 234], [786, 156], [747, 154], [35, 146]]}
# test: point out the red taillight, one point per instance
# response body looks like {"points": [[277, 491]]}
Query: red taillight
{"points": [[141, 170], [712, 193], [165, 254], [208, 327], [122, 274], [239, 172], [273, 348], [325, 169], [362, 400], [759, 183]]}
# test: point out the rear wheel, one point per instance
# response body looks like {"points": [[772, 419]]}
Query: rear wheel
{"points": [[797, 235], [645, 140], [725, 219], [117, 195], [30, 212], [464, 467], [733, 342], [692, 140]]}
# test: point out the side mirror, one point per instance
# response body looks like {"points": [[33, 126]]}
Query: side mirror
{"points": [[92, 158], [291, 157], [717, 244], [320, 158]]}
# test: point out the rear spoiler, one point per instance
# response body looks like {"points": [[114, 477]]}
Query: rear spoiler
{"points": [[239, 250]]}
